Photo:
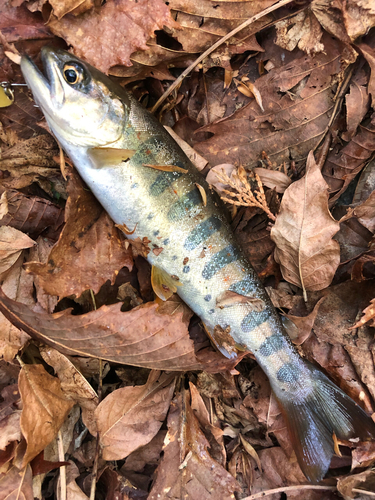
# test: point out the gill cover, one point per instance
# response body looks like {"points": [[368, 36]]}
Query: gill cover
{"points": [[76, 99]]}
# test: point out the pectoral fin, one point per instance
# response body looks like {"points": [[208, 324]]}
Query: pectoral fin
{"points": [[163, 284], [110, 156]]}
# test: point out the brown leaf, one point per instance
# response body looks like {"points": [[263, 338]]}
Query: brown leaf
{"points": [[303, 232], [89, 250], [302, 30], [295, 96], [99, 38], [363, 455], [140, 246], [273, 179], [369, 55], [19, 286], [304, 324], [10, 414], [360, 482], [73, 385], [16, 484], [365, 212], [343, 164], [29, 214], [44, 408], [12, 242], [357, 104], [131, 416], [186, 469], [149, 335], [345, 353], [148, 454]]}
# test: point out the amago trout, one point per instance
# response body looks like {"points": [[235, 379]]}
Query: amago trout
{"points": [[110, 138]]}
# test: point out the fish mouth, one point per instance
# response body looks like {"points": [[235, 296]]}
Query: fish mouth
{"points": [[48, 89]]}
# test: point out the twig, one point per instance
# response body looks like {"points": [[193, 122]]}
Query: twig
{"points": [[244, 195], [94, 475], [60, 447], [249, 21], [282, 489]]}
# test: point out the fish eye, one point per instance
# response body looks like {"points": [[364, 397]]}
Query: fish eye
{"points": [[73, 73]]}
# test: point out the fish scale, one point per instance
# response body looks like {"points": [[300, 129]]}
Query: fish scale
{"points": [[110, 138]]}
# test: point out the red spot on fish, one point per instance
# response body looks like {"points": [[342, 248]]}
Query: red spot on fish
{"points": [[148, 152]]}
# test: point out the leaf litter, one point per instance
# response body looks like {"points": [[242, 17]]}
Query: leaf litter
{"points": [[298, 80]]}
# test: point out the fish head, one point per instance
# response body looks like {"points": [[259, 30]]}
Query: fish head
{"points": [[82, 106]]}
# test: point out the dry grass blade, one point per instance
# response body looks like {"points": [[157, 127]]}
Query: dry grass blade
{"points": [[243, 194]]}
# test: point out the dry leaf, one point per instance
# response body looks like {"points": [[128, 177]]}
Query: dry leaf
{"points": [[89, 251], [295, 96], [365, 212], [362, 481], [12, 242], [357, 104], [10, 414], [304, 324], [150, 335], [302, 30], [197, 160], [343, 164], [130, 417], [16, 484], [73, 385], [29, 214], [98, 36], [45, 408], [186, 469], [18, 285], [305, 250], [273, 179]]}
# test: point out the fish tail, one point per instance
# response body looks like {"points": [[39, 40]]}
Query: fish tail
{"points": [[314, 418]]}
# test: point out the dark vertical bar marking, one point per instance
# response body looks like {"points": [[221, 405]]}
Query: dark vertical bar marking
{"points": [[254, 319], [219, 260], [162, 182], [288, 373], [202, 232], [272, 345], [184, 205]]}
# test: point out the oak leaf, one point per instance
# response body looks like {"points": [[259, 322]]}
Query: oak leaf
{"points": [[303, 232], [108, 36], [45, 408], [130, 417]]}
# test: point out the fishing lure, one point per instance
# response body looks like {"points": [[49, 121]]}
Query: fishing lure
{"points": [[146, 183]]}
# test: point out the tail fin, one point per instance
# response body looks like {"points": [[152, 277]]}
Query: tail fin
{"points": [[311, 424]]}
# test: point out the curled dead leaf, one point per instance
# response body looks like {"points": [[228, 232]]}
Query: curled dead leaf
{"points": [[45, 408]]}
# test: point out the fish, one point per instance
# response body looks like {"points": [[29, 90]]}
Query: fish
{"points": [[147, 185]]}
